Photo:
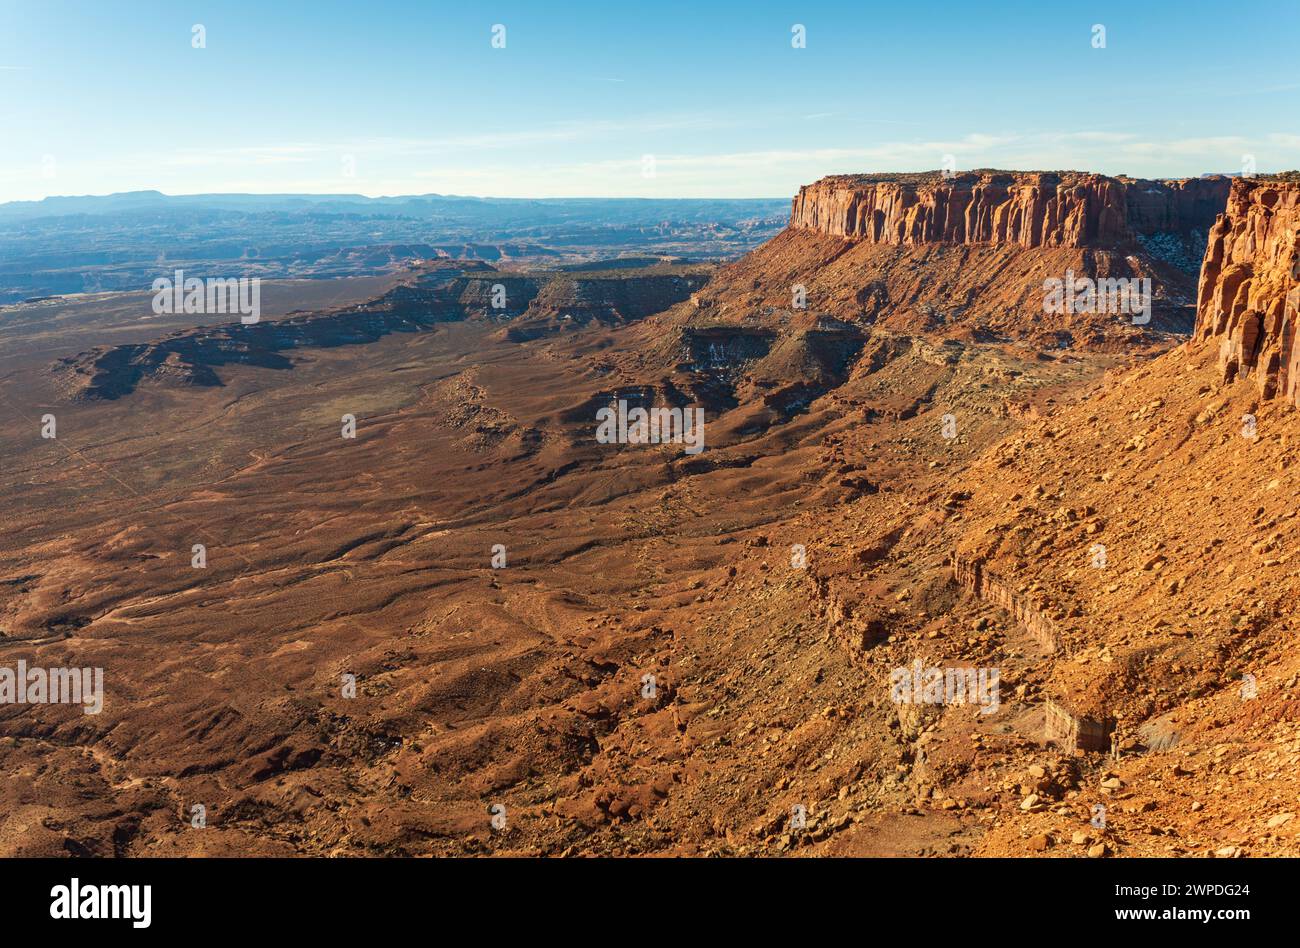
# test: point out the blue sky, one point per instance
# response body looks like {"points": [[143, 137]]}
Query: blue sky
{"points": [[410, 97]]}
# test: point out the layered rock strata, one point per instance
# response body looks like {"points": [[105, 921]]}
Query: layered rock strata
{"points": [[973, 576], [1026, 209], [1077, 732]]}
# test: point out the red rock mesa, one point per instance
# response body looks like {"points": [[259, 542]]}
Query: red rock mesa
{"points": [[968, 256], [1029, 209]]}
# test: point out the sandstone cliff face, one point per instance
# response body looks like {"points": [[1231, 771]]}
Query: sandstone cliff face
{"points": [[1248, 295], [1026, 209]]}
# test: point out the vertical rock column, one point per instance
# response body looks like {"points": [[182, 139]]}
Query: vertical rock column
{"points": [[1248, 297]]}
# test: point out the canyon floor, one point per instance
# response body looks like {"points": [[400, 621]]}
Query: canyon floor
{"points": [[770, 585]]}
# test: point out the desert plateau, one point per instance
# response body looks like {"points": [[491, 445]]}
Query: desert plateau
{"points": [[438, 442], [639, 648]]}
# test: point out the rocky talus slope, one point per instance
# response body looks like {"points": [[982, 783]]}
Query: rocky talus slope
{"points": [[1152, 520]]}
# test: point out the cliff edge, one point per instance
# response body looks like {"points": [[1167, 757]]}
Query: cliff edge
{"points": [[1026, 209]]}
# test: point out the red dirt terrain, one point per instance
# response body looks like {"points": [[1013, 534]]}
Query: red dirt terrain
{"points": [[906, 461]]}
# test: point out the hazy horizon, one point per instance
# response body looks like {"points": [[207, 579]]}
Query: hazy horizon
{"points": [[523, 197], [394, 197]]}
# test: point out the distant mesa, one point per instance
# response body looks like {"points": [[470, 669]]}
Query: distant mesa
{"points": [[532, 304], [968, 255], [112, 243], [963, 256], [1027, 209]]}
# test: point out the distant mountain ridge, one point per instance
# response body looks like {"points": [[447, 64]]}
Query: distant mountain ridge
{"points": [[116, 242], [413, 204]]}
